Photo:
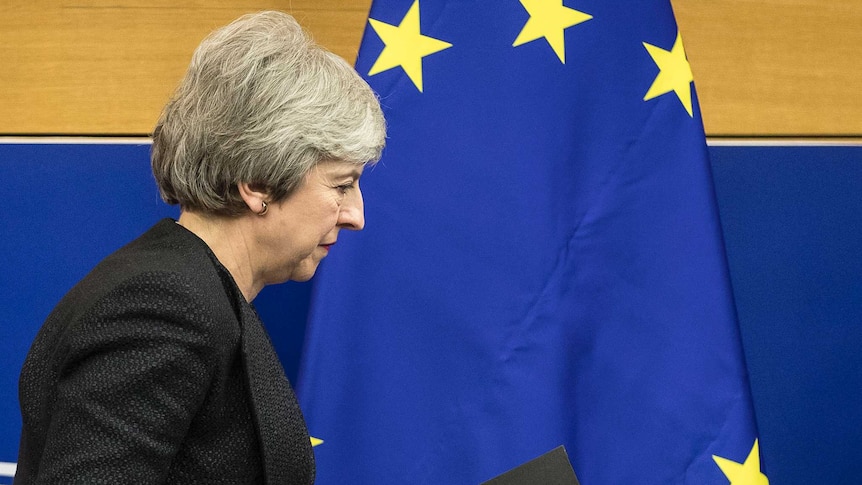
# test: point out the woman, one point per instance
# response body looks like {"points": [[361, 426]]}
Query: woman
{"points": [[155, 367]]}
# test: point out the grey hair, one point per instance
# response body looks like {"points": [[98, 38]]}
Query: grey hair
{"points": [[260, 103]]}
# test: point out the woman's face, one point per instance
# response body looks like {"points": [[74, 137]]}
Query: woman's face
{"points": [[301, 229]]}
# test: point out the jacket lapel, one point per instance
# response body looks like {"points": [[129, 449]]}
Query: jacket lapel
{"points": [[284, 440]]}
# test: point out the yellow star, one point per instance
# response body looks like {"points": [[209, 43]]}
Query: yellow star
{"points": [[405, 46], [747, 473], [316, 441], [674, 73], [548, 19]]}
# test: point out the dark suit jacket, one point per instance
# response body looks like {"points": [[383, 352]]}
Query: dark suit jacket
{"points": [[154, 369]]}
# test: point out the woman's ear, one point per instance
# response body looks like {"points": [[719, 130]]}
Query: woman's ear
{"points": [[256, 199]]}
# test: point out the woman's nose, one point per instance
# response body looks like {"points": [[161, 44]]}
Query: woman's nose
{"points": [[352, 214]]}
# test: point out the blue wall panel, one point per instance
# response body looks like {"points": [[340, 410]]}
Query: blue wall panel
{"points": [[65, 208], [792, 219]]}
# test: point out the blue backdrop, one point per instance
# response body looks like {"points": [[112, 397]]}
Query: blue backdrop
{"points": [[791, 219]]}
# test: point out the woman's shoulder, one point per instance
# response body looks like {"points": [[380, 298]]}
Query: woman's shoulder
{"points": [[167, 246], [166, 251], [158, 305], [167, 276]]}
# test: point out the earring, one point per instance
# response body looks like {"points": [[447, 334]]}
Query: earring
{"points": [[265, 208]]}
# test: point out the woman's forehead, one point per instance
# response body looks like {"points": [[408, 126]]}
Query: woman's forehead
{"points": [[339, 168]]}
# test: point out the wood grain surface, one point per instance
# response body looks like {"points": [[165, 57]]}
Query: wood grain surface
{"points": [[106, 67], [776, 67]]}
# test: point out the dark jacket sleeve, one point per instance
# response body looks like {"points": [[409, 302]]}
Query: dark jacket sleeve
{"points": [[131, 374]]}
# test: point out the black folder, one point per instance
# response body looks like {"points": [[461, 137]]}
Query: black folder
{"points": [[552, 468]]}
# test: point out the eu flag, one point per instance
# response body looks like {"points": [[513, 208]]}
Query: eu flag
{"points": [[542, 263]]}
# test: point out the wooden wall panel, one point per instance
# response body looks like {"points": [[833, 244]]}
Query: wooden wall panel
{"points": [[762, 67], [776, 67], [108, 66]]}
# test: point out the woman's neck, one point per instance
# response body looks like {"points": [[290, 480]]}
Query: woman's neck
{"points": [[228, 240]]}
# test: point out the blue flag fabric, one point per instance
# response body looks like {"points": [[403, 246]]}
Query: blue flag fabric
{"points": [[542, 262]]}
